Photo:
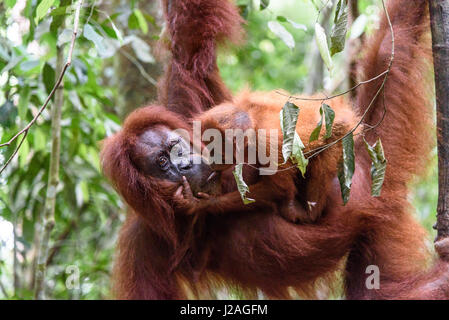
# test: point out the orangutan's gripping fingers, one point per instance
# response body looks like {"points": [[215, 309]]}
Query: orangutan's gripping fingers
{"points": [[187, 191], [203, 195]]}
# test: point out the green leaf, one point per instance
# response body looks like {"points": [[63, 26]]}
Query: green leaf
{"points": [[292, 145], [241, 185], [8, 114], [339, 29], [346, 167], [133, 23], [316, 132], [81, 193], [297, 25], [48, 77], [58, 15], [117, 32], [289, 118], [358, 27], [321, 41], [293, 23], [90, 34], [297, 156], [39, 140], [329, 116], [24, 99], [23, 152], [104, 48], [378, 166], [141, 21], [282, 33], [264, 4], [42, 9], [281, 19]]}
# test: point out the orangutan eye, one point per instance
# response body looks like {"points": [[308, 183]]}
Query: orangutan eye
{"points": [[163, 162]]}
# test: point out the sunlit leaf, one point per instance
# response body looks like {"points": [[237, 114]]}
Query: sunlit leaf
{"points": [[42, 9], [282, 33], [64, 37], [81, 193], [142, 50], [141, 21], [23, 153], [321, 40], [90, 34], [358, 27], [378, 166], [288, 119], [316, 132], [292, 145], [241, 185], [24, 99], [104, 48], [329, 116], [339, 29], [297, 156], [39, 139], [346, 167]]}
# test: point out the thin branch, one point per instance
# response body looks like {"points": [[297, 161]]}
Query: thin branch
{"points": [[25, 130], [140, 67], [336, 95]]}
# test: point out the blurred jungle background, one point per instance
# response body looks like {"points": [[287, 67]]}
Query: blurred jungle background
{"points": [[114, 70]]}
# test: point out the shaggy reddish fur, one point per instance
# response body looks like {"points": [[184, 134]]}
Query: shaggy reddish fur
{"points": [[192, 82], [259, 249]]}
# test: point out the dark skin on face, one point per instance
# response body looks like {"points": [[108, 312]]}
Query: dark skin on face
{"points": [[165, 154]]}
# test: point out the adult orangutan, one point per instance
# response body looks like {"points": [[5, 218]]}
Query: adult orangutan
{"points": [[168, 252]]}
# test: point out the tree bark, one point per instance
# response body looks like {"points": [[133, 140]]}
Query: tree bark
{"points": [[439, 19]]}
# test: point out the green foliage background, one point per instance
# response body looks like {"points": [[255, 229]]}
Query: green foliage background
{"points": [[88, 211]]}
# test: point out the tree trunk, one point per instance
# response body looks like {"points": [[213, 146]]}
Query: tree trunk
{"points": [[53, 182], [439, 17]]}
